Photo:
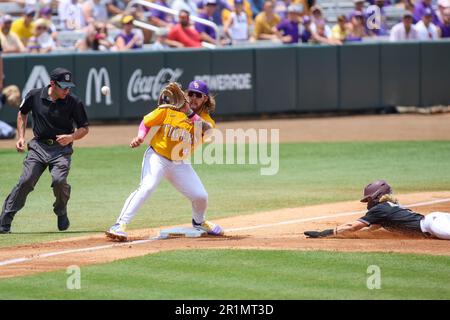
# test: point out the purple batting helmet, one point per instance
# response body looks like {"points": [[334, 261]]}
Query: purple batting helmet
{"points": [[376, 190]]}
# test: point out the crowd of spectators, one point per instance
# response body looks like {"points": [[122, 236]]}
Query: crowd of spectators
{"points": [[278, 21]]}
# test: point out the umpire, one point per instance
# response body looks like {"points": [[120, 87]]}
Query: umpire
{"points": [[54, 111]]}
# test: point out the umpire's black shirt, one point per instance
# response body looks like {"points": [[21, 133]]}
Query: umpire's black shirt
{"points": [[52, 118], [393, 217]]}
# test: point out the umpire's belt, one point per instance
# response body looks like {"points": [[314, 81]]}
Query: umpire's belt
{"points": [[48, 142]]}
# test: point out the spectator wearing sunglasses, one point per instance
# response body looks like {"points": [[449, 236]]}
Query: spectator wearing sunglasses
{"points": [[41, 41], [23, 27]]}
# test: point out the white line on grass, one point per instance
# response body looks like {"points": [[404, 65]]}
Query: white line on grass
{"points": [[58, 253]]}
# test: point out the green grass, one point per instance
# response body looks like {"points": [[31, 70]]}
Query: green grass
{"points": [[309, 173], [245, 274]]}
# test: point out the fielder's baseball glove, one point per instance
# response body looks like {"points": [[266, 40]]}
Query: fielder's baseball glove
{"points": [[11, 95], [172, 96], [319, 234]]}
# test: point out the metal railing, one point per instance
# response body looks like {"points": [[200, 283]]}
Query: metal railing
{"points": [[146, 25]]}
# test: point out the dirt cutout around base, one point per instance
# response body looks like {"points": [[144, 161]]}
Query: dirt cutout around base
{"points": [[275, 230]]}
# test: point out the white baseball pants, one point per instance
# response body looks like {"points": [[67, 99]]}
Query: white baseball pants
{"points": [[437, 224], [181, 175]]}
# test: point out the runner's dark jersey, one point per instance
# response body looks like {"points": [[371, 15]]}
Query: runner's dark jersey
{"points": [[393, 217]]}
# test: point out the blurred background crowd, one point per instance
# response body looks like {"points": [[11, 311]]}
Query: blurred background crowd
{"points": [[43, 26]]}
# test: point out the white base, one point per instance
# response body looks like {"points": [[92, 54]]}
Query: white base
{"points": [[181, 232]]}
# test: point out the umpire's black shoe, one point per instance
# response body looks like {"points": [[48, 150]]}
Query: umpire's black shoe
{"points": [[63, 223], [5, 228]]}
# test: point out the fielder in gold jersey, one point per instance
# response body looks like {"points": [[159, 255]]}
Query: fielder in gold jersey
{"points": [[175, 126], [174, 141]]}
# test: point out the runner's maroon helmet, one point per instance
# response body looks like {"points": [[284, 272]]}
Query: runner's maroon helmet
{"points": [[376, 190]]}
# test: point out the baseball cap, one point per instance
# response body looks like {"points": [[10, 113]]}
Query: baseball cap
{"points": [[238, 1], [29, 11], [6, 18], [427, 12], [198, 86], [444, 3], [63, 78], [357, 1], [45, 11], [127, 19], [214, 2]]}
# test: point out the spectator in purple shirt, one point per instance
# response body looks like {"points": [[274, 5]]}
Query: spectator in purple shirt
{"points": [[444, 28], [221, 5], [419, 9], [127, 39], [160, 18], [207, 33], [288, 28]]}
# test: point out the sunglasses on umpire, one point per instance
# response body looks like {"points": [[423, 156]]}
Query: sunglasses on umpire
{"points": [[65, 89], [196, 94]]}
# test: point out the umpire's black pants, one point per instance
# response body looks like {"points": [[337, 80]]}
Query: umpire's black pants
{"points": [[40, 156]]}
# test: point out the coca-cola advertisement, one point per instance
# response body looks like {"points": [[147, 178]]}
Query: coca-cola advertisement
{"points": [[147, 87]]}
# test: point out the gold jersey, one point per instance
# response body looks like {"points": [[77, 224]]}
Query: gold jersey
{"points": [[175, 138]]}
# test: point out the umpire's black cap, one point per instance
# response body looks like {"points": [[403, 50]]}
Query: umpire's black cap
{"points": [[63, 78]]}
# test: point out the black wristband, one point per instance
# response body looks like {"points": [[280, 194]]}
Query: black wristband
{"points": [[327, 232]]}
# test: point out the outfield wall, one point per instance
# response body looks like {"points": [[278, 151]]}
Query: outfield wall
{"points": [[298, 78]]}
